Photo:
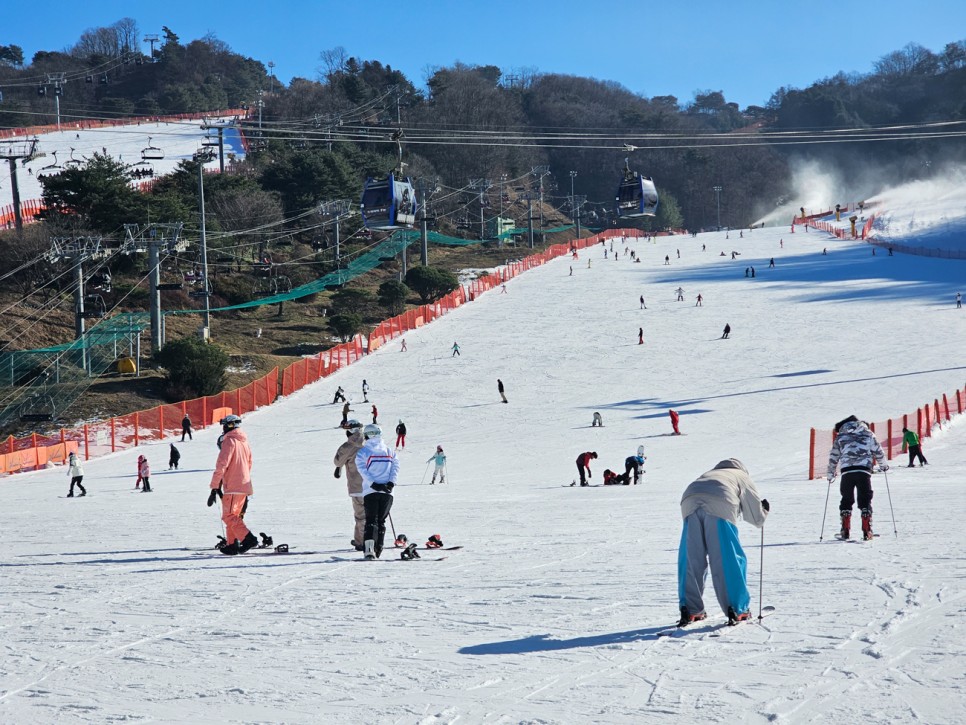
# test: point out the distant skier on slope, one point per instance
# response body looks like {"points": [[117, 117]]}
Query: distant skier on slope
{"points": [[710, 506], [854, 451], [674, 421], [440, 470], [634, 464]]}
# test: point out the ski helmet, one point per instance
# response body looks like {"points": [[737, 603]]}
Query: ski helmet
{"points": [[439, 449], [352, 425], [372, 431], [402, 540], [435, 542], [230, 422]]}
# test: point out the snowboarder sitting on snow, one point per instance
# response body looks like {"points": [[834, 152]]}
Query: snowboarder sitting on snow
{"points": [[583, 463], [613, 479], [339, 395], [598, 421], [854, 451], [710, 507]]}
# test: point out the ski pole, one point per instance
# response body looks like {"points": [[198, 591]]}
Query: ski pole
{"points": [[423, 479], [825, 511], [891, 511], [393, 527], [761, 572]]}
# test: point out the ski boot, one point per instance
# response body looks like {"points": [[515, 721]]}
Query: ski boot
{"points": [[866, 524], [247, 543], [735, 617], [435, 542], [229, 549], [370, 549], [82, 493], [846, 523], [687, 618], [402, 541], [70, 495]]}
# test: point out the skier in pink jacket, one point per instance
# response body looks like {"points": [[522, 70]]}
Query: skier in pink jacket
{"points": [[144, 473], [232, 480]]}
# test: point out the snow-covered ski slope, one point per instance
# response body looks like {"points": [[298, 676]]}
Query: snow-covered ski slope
{"points": [[552, 611], [177, 140]]}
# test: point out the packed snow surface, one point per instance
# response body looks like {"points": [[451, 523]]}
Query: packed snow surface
{"points": [[555, 609]]}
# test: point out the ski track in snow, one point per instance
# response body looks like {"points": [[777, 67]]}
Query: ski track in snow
{"points": [[559, 607]]}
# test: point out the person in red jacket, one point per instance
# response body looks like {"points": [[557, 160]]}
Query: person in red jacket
{"points": [[674, 421], [583, 462]]}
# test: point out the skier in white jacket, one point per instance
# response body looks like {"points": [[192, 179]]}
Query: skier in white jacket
{"points": [[379, 467], [711, 507]]}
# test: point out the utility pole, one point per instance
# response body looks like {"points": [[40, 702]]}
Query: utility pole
{"points": [[573, 203], [220, 127], [717, 191], [271, 73], [151, 238], [58, 80], [336, 210], [13, 151], [202, 158], [529, 220], [540, 172], [77, 250]]}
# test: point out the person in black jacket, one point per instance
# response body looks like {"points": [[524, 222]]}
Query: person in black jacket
{"points": [[186, 428], [173, 457], [499, 387]]}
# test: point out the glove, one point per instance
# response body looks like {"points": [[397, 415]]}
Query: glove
{"points": [[884, 467], [831, 478], [215, 493], [383, 487], [338, 472], [765, 505], [390, 486]]}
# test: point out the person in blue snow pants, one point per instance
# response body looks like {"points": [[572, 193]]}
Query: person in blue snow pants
{"points": [[711, 506]]}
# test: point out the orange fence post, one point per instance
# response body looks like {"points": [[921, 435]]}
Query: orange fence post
{"points": [[137, 431], [113, 447], [889, 433], [161, 421], [87, 443]]}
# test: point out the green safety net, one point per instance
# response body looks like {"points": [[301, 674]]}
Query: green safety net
{"points": [[40, 384]]}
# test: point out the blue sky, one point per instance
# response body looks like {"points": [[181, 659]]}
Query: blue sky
{"points": [[745, 49]]}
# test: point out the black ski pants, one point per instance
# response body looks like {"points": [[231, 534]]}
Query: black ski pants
{"points": [[852, 482], [76, 481], [916, 451], [377, 510]]}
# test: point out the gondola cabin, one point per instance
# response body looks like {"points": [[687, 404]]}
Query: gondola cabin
{"points": [[636, 196], [388, 203]]}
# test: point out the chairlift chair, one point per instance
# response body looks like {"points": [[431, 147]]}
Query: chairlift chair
{"points": [[53, 168], [94, 307], [201, 293], [38, 408], [150, 152], [170, 285], [636, 195], [73, 163]]}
